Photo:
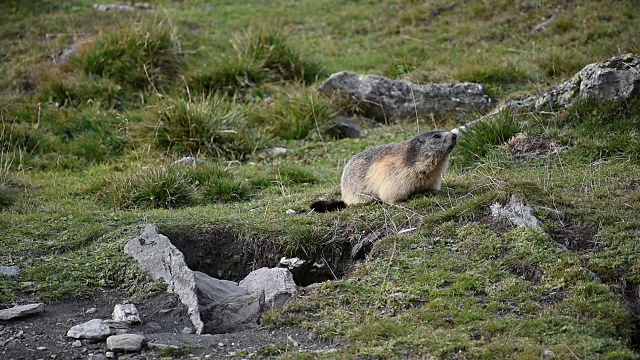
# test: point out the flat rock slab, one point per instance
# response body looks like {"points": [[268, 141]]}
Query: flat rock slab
{"points": [[391, 101], [226, 307], [126, 342], [94, 329], [159, 259], [277, 284], [21, 311]]}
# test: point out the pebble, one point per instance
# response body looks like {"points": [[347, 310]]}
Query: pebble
{"points": [[220, 344], [41, 348], [91, 311], [291, 212], [76, 343], [187, 331]]}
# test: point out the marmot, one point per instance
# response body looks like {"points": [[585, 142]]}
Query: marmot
{"points": [[393, 172]]}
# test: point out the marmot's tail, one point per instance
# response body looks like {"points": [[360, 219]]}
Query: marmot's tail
{"points": [[328, 205]]}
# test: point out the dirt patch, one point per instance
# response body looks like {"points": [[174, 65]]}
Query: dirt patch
{"points": [[527, 146], [575, 236], [163, 318]]}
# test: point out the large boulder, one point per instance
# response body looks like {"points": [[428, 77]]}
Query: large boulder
{"points": [[277, 284], [390, 101], [615, 79], [157, 256], [226, 307]]}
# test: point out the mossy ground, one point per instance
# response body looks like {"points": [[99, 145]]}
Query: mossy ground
{"points": [[85, 154]]}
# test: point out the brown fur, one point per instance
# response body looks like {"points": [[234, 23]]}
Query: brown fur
{"points": [[393, 172]]}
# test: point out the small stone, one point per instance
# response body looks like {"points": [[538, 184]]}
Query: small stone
{"points": [[91, 311], [187, 330], [126, 342], [549, 354], [220, 344], [97, 356], [188, 160], [21, 311], [41, 348], [291, 212], [76, 343], [126, 313], [10, 270], [110, 355], [94, 329], [272, 152]]}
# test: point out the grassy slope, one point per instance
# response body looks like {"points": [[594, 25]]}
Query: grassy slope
{"points": [[465, 287]]}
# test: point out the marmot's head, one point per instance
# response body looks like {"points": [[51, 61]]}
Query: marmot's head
{"points": [[430, 147]]}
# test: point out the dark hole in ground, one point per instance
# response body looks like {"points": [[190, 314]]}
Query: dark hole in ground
{"points": [[575, 236], [225, 254], [631, 295]]}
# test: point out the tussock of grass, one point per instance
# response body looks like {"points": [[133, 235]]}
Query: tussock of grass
{"points": [[296, 117], [272, 49], [166, 188], [103, 92], [229, 75], [211, 125], [141, 57], [484, 136]]}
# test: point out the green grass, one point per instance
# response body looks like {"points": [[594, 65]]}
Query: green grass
{"points": [[85, 149]]}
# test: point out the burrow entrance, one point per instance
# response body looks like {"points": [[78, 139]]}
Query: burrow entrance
{"points": [[224, 254]]}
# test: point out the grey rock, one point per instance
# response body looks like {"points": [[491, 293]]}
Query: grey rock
{"points": [[272, 152], [518, 213], [126, 313], [390, 101], [346, 127], [97, 356], [277, 284], [126, 342], [19, 311], [116, 324], [90, 311], [76, 343], [226, 307], [94, 329], [10, 270], [109, 355], [292, 263], [160, 346], [41, 348], [161, 260], [188, 160], [187, 330]]}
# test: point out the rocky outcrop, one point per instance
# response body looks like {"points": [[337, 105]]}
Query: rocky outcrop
{"points": [[19, 311], [226, 307], [277, 285], [615, 79], [161, 260], [390, 101]]}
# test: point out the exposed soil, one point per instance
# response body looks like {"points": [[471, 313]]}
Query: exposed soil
{"points": [[528, 146], [575, 236], [163, 319]]}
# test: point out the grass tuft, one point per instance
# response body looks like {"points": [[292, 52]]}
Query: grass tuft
{"points": [[211, 125], [272, 49], [484, 136], [141, 57]]}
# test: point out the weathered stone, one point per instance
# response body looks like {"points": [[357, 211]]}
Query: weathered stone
{"points": [[126, 342], [346, 127], [390, 101], [10, 270], [277, 284], [94, 329], [19, 311], [90, 311], [517, 213], [161, 260], [188, 160], [76, 343], [225, 306], [271, 152], [126, 313]]}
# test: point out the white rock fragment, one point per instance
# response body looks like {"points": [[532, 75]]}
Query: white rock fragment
{"points": [[94, 329], [126, 313], [126, 342], [277, 284]]}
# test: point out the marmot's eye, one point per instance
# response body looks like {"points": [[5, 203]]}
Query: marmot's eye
{"points": [[437, 136]]}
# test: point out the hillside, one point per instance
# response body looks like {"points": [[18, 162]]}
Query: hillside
{"points": [[96, 105]]}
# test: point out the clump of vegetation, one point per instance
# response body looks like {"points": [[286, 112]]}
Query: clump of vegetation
{"points": [[296, 117], [210, 125], [271, 49], [166, 188], [141, 57], [484, 136], [100, 91], [229, 76]]}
